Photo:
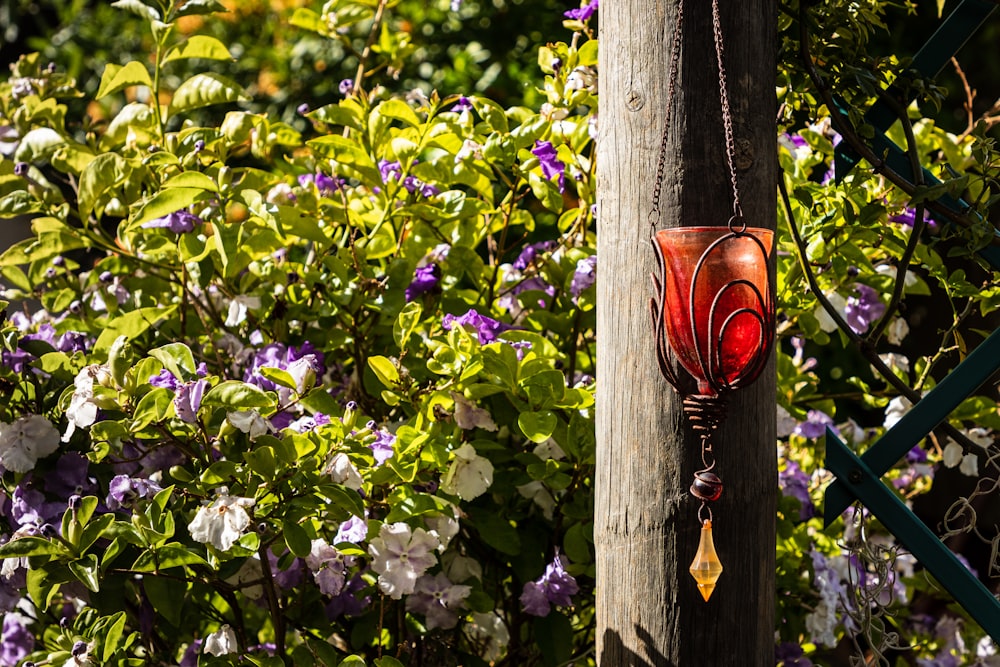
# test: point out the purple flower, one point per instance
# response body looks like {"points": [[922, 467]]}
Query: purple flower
{"points": [[382, 448], [463, 104], [346, 86], [917, 455], [347, 603], [554, 587], [426, 279], [584, 275], [188, 400], [486, 327], [326, 185], [509, 301], [16, 641], [69, 477], [863, 308], [583, 13], [795, 484], [354, 530], [414, 184], [815, 425], [790, 654], [179, 222], [531, 253], [123, 491], [550, 162], [164, 380], [390, 171]]}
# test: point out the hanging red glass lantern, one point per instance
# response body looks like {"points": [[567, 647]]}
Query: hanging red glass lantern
{"points": [[713, 315]]}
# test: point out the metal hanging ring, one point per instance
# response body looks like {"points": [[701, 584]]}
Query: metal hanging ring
{"points": [[738, 224], [704, 507]]}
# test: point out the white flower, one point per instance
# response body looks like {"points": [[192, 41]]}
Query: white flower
{"points": [[895, 361], [469, 475], [25, 441], [582, 77], [250, 571], [221, 642], [82, 410], [821, 622], [897, 407], [826, 322], [238, 309], [400, 556], [444, 527], [980, 436], [469, 149], [969, 465], [786, 423], [342, 471], [222, 522], [537, 492], [468, 416], [490, 633], [250, 422], [329, 567], [435, 597], [897, 331], [549, 449], [952, 454]]}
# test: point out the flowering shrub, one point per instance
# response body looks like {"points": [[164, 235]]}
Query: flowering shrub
{"points": [[324, 397]]}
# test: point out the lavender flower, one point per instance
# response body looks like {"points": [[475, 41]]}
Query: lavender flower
{"points": [[584, 276], [16, 641], [583, 13], [436, 597], [794, 483], [164, 380], [383, 447], [815, 425], [554, 587], [463, 104], [390, 171], [346, 87], [179, 222], [123, 491], [426, 280], [530, 253], [188, 400], [789, 654], [487, 328], [551, 165], [863, 308]]}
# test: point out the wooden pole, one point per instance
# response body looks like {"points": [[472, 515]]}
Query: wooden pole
{"points": [[649, 611]]}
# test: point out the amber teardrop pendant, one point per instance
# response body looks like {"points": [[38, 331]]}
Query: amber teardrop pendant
{"points": [[706, 568]]}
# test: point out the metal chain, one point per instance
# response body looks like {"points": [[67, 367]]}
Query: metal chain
{"points": [[675, 53], [727, 119]]}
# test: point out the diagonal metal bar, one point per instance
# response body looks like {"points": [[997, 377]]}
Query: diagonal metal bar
{"points": [[866, 486], [978, 367]]}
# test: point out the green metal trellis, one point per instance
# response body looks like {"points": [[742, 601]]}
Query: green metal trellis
{"points": [[859, 478]]}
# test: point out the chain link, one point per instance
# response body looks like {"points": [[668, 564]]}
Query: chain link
{"points": [[727, 118], [675, 54], [737, 222]]}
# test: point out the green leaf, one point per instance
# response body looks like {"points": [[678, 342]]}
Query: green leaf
{"points": [[193, 7], [94, 530], [30, 546], [85, 569], [343, 497], [537, 426], [399, 110], [199, 46], [236, 395], [176, 358], [191, 179], [497, 532], [131, 325], [546, 191], [385, 370], [407, 321], [164, 203], [296, 538], [387, 661], [348, 153], [167, 556], [103, 173], [152, 408], [116, 78], [166, 596], [113, 636], [353, 661], [554, 634], [205, 89], [139, 8]]}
